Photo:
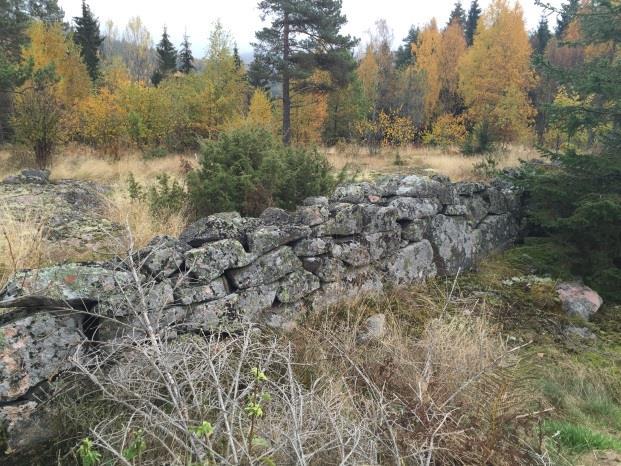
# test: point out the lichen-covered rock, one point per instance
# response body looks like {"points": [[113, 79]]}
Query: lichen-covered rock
{"points": [[197, 294], [469, 188], [296, 285], [215, 315], [266, 269], [424, 187], [351, 252], [453, 243], [355, 193], [345, 220], [267, 238], [382, 244], [328, 269], [378, 219], [67, 285], [163, 256], [312, 215], [256, 299], [211, 260], [496, 232], [275, 216], [316, 200], [476, 208], [228, 225], [27, 176], [455, 210], [311, 247], [502, 201], [411, 264], [415, 230], [35, 349], [351, 285], [25, 430], [411, 208]]}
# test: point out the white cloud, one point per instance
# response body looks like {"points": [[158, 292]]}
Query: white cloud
{"points": [[241, 17]]}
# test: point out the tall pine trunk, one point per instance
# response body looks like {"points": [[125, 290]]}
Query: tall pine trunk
{"points": [[286, 98]]}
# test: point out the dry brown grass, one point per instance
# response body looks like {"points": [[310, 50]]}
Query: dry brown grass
{"points": [[136, 218], [445, 161], [22, 245]]}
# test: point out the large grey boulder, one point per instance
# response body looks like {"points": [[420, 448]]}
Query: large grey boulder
{"points": [[415, 230], [189, 293], [352, 284], [345, 220], [68, 285], [413, 263], [267, 238], [311, 215], [496, 232], [296, 286], [411, 208], [328, 269], [453, 243], [312, 247], [378, 219], [228, 225], [351, 252], [36, 349], [355, 193], [163, 256], [382, 244], [424, 187], [266, 269], [211, 260], [579, 300]]}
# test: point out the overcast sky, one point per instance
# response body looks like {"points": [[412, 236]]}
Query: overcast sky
{"points": [[242, 19]]}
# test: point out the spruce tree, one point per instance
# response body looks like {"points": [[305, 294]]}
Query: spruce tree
{"points": [[403, 55], [304, 35], [577, 199], [89, 40], [166, 59], [541, 37], [471, 21], [237, 58], [458, 14], [186, 59]]}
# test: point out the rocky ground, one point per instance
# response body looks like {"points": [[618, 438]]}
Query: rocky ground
{"points": [[72, 212]]}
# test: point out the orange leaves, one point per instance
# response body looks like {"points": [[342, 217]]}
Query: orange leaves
{"points": [[428, 62]]}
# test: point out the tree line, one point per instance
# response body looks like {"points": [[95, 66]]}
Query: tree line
{"points": [[475, 81]]}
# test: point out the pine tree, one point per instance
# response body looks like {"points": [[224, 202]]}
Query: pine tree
{"points": [[541, 37], [186, 59], [89, 40], [237, 58], [471, 22], [403, 55], [458, 14], [303, 36], [166, 58]]}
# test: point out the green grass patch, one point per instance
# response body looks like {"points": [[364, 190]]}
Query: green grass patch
{"points": [[579, 439]]}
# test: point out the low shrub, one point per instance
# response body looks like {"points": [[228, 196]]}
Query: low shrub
{"points": [[447, 130], [247, 170]]}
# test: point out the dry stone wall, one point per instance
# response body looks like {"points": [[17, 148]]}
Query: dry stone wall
{"points": [[225, 270]]}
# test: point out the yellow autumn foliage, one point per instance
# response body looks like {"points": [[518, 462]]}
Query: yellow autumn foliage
{"points": [[495, 75], [427, 52]]}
